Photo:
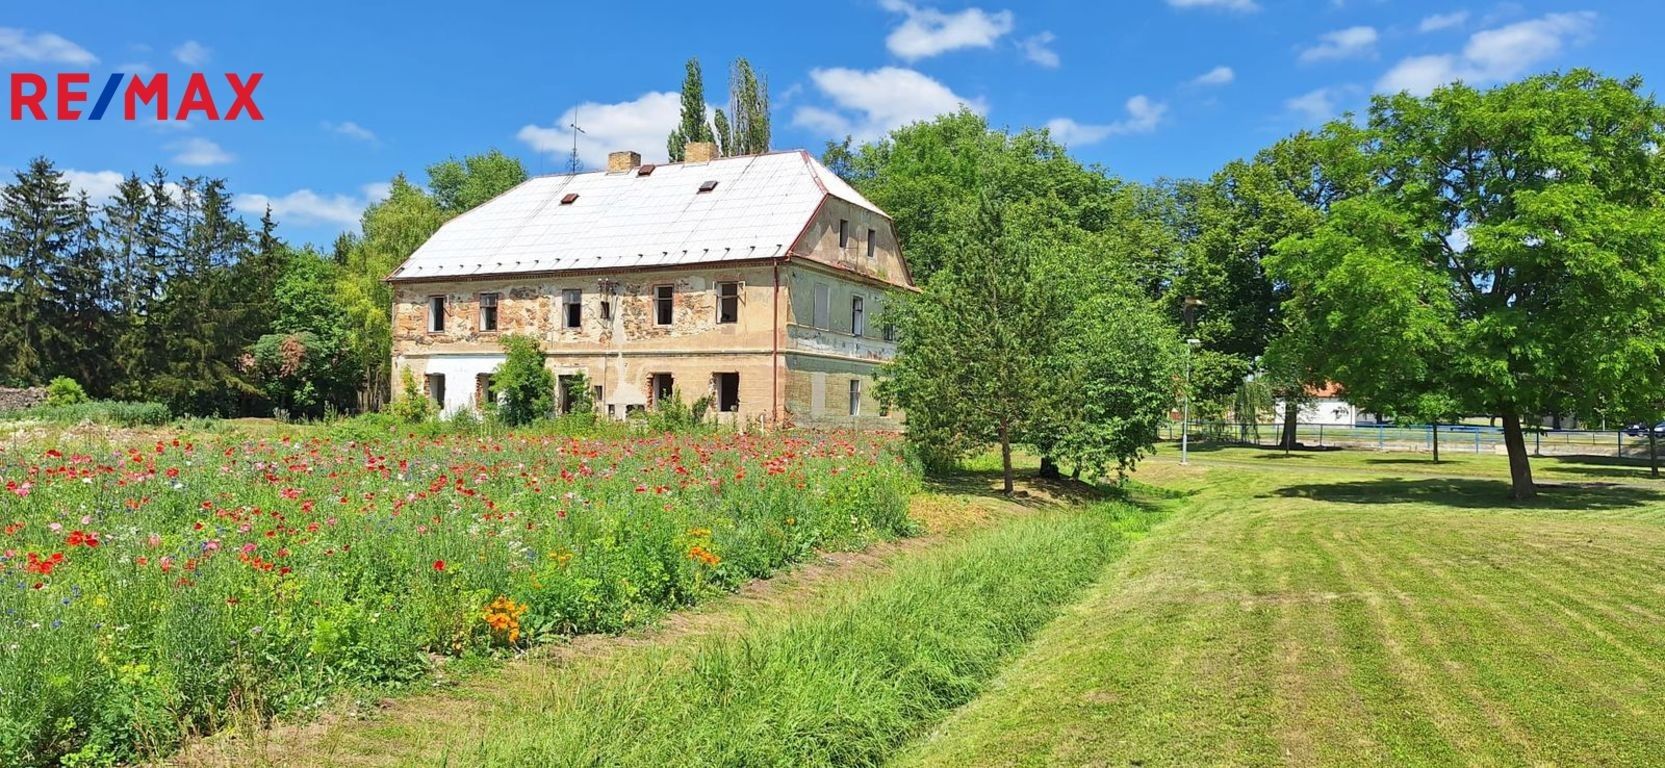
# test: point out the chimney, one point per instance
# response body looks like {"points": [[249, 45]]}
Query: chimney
{"points": [[621, 162], [699, 152]]}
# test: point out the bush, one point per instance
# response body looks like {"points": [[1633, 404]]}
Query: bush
{"points": [[412, 406], [526, 389], [65, 391], [112, 412]]}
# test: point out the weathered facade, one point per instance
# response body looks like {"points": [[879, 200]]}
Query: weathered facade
{"points": [[771, 303]]}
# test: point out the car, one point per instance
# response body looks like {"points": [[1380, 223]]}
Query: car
{"points": [[1640, 429]]}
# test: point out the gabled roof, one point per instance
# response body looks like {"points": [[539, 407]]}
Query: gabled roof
{"points": [[758, 208]]}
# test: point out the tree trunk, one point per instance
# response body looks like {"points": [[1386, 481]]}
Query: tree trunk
{"points": [[1291, 422], [1049, 468], [1520, 465], [1006, 457], [1436, 426], [1653, 452]]}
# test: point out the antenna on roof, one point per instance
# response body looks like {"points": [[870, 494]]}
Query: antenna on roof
{"points": [[573, 165]]}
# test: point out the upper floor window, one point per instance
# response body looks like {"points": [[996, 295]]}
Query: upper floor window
{"points": [[436, 314], [843, 233], [572, 308], [488, 311], [606, 307], [823, 308], [858, 318], [872, 242], [664, 297], [728, 302]]}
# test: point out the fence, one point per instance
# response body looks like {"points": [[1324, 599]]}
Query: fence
{"points": [[1453, 438]]}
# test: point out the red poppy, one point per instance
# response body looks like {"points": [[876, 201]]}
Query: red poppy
{"points": [[439, 565]]}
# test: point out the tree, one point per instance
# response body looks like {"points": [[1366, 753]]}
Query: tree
{"points": [[459, 185], [749, 105], [305, 363], [693, 126], [1512, 239], [525, 388], [37, 221]]}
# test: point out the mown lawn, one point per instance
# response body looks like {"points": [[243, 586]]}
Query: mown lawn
{"points": [[1351, 609]]}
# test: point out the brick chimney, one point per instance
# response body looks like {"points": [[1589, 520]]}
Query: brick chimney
{"points": [[699, 152], [620, 162]]}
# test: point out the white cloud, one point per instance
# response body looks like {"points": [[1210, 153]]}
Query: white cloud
{"points": [[1349, 43], [192, 53], [928, 32], [1215, 76], [1441, 21], [1143, 115], [1492, 55], [1229, 5], [640, 125], [1038, 48], [200, 151], [20, 45], [306, 207], [867, 104], [351, 130], [99, 185], [1316, 106]]}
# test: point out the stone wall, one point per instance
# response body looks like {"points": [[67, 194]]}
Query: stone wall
{"points": [[18, 399]]}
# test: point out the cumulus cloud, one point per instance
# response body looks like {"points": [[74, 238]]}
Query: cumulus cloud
{"points": [[1492, 55], [192, 53], [306, 207], [1229, 5], [1316, 106], [1441, 21], [199, 151], [639, 125], [351, 130], [1143, 115], [1038, 48], [927, 32], [1215, 76], [1349, 43], [46, 47], [99, 185], [867, 104]]}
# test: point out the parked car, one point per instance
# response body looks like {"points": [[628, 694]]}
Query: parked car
{"points": [[1640, 429]]}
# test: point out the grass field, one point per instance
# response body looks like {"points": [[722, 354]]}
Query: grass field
{"points": [[1352, 609]]}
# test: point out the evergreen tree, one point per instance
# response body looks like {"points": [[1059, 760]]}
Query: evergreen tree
{"points": [[37, 222], [693, 127], [81, 301]]}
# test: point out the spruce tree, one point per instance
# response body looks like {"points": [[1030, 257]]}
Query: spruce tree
{"points": [[36, 223]]}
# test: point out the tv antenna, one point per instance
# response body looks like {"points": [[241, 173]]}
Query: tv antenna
{"points": [[573, 164]]}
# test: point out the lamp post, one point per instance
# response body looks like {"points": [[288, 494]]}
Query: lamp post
{"points": [[1185, 408]]}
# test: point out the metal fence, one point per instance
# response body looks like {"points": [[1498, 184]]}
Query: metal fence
{"points": [[1453, 438]]}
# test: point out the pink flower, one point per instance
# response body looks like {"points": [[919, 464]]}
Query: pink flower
{"points": [[248, 549], [23, 490]]}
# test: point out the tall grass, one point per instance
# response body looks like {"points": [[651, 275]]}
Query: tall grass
{"points": [[844, 686]]}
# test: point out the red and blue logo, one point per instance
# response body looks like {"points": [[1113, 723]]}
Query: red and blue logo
{"points": [[63, 96]]}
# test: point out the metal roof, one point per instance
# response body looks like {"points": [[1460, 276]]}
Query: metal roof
{"points": [[758, 208]]}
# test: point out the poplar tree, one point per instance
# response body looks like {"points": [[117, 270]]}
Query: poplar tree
{"points": [[693, 127]]}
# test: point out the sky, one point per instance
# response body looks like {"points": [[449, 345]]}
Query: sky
{"points": [[353, 93]]}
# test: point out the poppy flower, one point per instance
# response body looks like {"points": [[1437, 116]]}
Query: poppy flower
{"points": [[439, 565]]}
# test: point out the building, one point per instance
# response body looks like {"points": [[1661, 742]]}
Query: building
{"points": [[759, 281], [1327, 405]]}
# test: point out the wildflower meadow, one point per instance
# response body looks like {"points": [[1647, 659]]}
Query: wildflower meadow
{"points": [[155, 590]]}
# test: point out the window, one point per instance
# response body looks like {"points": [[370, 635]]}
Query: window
{"points": [[728, 302], [855, 397], [597, 396], [488, 311], [485, 390], [823, 308], [890, 332], [728, 392], [436, 388], [872, 242], [436, 314], [565, 392], [662, 388], [843, 233], [572, 308], [606, 308], [707, 186], [569, 198], [858, 320], [663, 296]]}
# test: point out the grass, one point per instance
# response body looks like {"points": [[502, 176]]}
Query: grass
{"points": [[1329, 609]]}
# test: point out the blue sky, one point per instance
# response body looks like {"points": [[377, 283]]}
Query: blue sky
{"points": [[356, 92]]}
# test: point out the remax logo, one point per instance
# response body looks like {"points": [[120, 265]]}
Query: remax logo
{"points": [[36, 97]]}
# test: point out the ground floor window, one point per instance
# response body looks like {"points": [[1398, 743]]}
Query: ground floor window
{"points": [[436, 387], [855, 397], [728, 392], [661, 388]]}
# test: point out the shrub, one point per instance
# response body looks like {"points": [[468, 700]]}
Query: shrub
{"points": [[412, 406], [112, 412], [526, 389], [65, 391]]}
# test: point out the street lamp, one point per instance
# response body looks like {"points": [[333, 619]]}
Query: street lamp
{"points": [[1185, 412]]}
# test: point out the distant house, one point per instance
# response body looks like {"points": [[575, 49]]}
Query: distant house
{"points": [[1328, 405], [758, 281]]}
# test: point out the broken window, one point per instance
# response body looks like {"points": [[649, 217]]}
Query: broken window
{"points": [[572, 308], [858, 320], [855, 397], [662, 388], [823, 306], [728, 392], [663, 306], [872, 242], [488, 311], [606, 308], [436, 388], [728, 302], [436, 314], [485, 390], [843, 234], [565, 392]]}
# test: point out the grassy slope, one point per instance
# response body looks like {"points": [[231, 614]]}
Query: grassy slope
{"points": [[1318, 610]]}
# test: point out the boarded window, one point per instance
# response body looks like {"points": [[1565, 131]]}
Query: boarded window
{"points": [[843, 233], [572, 308], [664, 297], [728, 392], [488, 311], [823, 306], [858, 318], [728, 302], [855, 397], [436, 314], [872, 242]]}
